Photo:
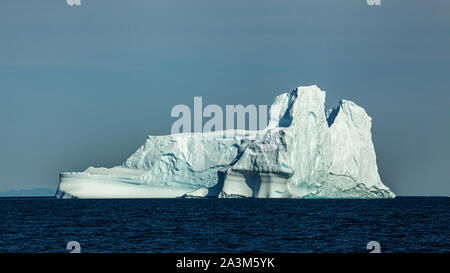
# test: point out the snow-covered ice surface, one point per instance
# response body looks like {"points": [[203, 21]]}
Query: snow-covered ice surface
{"points": [[305, 152]]}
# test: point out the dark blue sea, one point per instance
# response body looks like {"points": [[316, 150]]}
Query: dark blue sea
{"points": [[404, 224]]}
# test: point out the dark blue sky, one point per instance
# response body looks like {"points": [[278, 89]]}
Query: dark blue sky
{"points": [[83, 86]]}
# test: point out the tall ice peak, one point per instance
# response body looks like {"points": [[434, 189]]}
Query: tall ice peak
{"points": [[305, 152]]}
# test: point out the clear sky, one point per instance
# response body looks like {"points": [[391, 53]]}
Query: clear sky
{"points": [[83, 85]]}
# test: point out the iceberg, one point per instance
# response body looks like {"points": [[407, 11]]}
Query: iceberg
{"points": [[304, 152]]}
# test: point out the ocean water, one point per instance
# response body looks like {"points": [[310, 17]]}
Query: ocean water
{"points": [[404, 224]]}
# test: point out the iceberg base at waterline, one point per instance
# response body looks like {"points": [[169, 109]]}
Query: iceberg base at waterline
{"points": [[304, 152]]}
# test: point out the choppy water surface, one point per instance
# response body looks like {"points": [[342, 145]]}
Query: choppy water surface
{"points": [[408, 224]]}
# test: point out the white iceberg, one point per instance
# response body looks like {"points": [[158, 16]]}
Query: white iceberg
{"points": [[305, 152]]}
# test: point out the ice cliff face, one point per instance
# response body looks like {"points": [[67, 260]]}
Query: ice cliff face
{"points": [[304, 152]]}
